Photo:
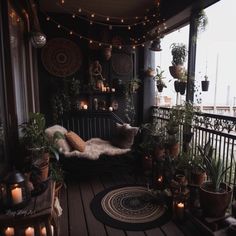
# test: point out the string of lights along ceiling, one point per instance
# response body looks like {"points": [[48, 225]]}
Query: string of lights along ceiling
{"points": [[107, 21]]}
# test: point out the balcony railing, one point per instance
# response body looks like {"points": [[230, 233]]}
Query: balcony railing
{"points": [[219, 129]]}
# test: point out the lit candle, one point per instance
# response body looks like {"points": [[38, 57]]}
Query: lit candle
{"points": [[160, 179], [108, 89], [43, 231], [85, 107], [180, 211], [9, 231], [16, 194], [29, 231], [113, 90], [110, 109]]}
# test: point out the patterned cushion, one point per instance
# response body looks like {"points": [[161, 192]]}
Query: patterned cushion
{"points": [[75, 141], [124, 135]]}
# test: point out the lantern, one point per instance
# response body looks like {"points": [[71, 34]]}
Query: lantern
{"points": [[17, 194]]}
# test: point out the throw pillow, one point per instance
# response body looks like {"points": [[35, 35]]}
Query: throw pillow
{"points": [[124, 135], [61, 143], [75, 141]]}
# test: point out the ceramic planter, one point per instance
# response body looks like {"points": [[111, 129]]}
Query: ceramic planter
{"points": [[182, 87], [176, 71], [214, 204], [160, 88], [205, 85], [176, 84]]}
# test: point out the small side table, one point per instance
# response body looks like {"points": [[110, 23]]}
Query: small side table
{"points": [[33, 220]]}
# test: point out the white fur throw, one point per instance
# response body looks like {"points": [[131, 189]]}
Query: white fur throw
{"points": [[95, 147]]}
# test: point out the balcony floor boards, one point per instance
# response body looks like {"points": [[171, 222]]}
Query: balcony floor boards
{"points": [[78, 220]]}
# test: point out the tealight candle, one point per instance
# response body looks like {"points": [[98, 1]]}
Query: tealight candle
{"points": [[85, 107], [9, 231], [110, 109], [29, 231], [16, 194], [180, 211]]}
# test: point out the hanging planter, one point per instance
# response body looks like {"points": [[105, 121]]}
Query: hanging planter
{"points": [[182, 87], [176, 84], [205, 84], [160, 88], [176, 71], [159, 79]]}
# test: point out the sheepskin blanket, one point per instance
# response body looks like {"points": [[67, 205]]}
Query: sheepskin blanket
{"points": [[96, 147]]}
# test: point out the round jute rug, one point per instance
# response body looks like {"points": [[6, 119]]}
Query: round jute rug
{"points": [[129, 208]]}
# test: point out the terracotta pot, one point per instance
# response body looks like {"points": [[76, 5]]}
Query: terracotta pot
{"points": [[176, 71], [205, 85], [174, 150], [214, 204], [159, 152], [198, 178]]}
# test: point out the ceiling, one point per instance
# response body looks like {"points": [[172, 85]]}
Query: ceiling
{"points": [[115, 8]]}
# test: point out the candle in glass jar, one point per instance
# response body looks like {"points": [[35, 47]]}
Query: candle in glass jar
{"points": [[29, 231], [9, 231], [180, 211], [16, 194]]}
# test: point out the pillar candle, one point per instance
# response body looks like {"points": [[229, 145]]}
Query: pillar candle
{"points": [[29, 231], [180, 211], [9, 231], [16, 194]]}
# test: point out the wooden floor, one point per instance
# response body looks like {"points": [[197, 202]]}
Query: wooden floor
{"points": [[78, 220]]}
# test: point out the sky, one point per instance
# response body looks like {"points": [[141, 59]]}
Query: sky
{"points": [[217, 41]]}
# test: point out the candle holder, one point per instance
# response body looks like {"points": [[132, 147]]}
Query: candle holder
{"points": [[16, 191], [179, 206]]}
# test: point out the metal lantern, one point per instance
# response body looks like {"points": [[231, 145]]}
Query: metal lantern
{"points": [[38, 39], [156, 45], [17, 194]]}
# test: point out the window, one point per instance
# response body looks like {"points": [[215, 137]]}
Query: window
{"points": [[163, 59], [216, 52]]}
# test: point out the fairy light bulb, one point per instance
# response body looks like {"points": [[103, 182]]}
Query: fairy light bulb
{"points": [[79, 10], [110, 46], [73, 16], [48, 18], [99, 44], [143, 45], [58, 26], [120, 47], [122, 20], [62, 1], [90, 41], [71, 32], [134, 47], [144, 23], [136, 17], [92, 15], [91, 22], [129, 28], [108, 18]]}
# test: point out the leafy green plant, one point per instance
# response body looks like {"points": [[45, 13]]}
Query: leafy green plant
{"points": [[57, 173], [158, 78], [179, 53], [201, 21], [214, 167]]}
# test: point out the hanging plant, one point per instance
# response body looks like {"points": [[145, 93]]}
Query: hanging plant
{"points": [[159, 79], [205, 84], [201, 21]]}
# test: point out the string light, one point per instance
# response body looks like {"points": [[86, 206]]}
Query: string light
{"points": [[73, 16], [62, 1], [108, 18], [129, 28], [133, 45]]}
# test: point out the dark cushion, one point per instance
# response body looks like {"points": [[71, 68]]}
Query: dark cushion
{"points": [[123, 135]]}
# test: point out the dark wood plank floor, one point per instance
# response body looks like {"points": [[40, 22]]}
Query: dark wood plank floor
{"points": [[78, 220]]}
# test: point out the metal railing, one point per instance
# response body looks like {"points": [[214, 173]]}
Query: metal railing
{"points": [[219, 129]]}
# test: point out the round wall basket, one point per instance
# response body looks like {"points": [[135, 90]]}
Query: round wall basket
{"points": [[61, 57], [122, 63]]}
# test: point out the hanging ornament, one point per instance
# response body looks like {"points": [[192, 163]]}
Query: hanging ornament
{"points": [[38, 39]]}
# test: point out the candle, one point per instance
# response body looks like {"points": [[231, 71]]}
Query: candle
{"points": [[160, 179], [110, 109], [9, 231], [108, 89], [113, 90], [180, 211], [16, 194], [85, 107], [43, 231], [29, 231]]}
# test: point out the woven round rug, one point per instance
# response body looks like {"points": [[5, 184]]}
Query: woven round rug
{"points": [[129, 208]]}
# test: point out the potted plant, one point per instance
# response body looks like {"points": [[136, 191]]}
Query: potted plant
{"points": [[134, 85], [197, 170], [159, 79], [183, 82], [205, 84], [215, 195], [179, 54], [175, 119]]}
